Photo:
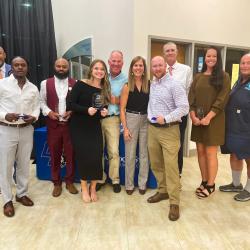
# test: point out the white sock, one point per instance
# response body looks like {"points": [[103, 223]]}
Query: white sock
{"points": [[236, 175], [247, 187]]}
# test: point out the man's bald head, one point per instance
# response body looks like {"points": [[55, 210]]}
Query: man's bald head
{"points": [[2, 56], [245, 66], [61, 68], [158, 66]]}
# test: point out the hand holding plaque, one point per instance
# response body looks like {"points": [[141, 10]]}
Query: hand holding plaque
{"points": [[97, 101], [200, 113]]}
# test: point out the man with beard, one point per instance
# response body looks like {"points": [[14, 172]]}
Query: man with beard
{"points": [[53, 94], [4, 67], [19, 108]]}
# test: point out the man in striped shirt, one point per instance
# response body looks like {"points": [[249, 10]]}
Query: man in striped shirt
{"points": [[167, 104]]}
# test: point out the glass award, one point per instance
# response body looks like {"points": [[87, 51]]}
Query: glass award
{"points": [[200, 113], [97, 101]]}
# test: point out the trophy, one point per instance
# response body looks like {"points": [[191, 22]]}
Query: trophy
{"points": [[97, 101], [200, 113]]}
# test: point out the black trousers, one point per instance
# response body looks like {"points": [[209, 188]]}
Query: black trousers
{"points": [[182, 128]]}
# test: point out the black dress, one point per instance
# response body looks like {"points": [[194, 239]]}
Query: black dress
{"points": [[86, 132]]}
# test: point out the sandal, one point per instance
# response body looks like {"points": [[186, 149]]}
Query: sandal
{"points": [[206, 192], [201, 187]]}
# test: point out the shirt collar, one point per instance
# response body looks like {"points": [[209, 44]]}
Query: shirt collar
{"points": [[160, 80], [173, 66], [118, 76], [15, 80], [3, 67]]}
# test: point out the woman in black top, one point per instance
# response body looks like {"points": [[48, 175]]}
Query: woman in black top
{"points": [[85, 125], [133, 113]]}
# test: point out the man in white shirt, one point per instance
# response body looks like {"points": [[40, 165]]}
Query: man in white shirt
{"points": [[19, 108], [183, 74], [53, 95], [4, 67]]}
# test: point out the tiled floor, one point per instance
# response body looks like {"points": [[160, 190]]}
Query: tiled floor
{"points": [[122, 222]]}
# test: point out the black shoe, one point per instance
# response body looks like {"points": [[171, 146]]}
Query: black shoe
{"points": [[99, 186], [116, 188]]}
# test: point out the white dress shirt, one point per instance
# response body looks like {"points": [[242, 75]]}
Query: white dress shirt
{"points": [[167, 98], [61, 87], [183, 74], [13, 99], [2, 70]]}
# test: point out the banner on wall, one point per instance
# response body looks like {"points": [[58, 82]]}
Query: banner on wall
{"points": [[235, 73]]}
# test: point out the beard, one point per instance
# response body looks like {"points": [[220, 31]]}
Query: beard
{"points": [[61, 75]]}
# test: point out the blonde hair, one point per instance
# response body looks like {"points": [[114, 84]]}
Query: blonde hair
{"points": [[131, 79], [105, 84]]}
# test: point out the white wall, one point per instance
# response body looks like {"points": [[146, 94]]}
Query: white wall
{"points": [[109, 22], [217, 21]]}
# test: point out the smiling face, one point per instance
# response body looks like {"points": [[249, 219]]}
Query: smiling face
{"points": [[98, 71], [138, 69], [115, 63], [158, 67], [170, 53], [245, 66], [211, 58]]}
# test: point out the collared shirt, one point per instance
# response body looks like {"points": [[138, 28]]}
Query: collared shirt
{"points": [[116, 84], [13, 99], [168, 99], [2, 70], [61, 86], [182, 73]]}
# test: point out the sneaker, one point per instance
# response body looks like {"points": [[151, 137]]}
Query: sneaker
{"points": [[242, 196], [116, 188], [231, 188]]}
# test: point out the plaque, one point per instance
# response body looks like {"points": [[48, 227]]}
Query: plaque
{"points": [[97, 101], [200, 113]]}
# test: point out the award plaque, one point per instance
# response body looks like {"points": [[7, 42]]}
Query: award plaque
{"points": [[97, 101], [200, 113]]}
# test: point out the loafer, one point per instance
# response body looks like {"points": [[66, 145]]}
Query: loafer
{"points": [[8, 209], [174, 212], [158, 197], [71, 188], [129, 192], [142, 191], [116, 188], [25, 200], [57, 190]]}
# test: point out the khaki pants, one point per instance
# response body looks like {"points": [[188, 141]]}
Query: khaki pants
{"points": [[163, 146], [138, 126], [111, 137]]}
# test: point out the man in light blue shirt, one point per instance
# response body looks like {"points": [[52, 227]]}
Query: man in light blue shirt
{"points": [[111, 123]]}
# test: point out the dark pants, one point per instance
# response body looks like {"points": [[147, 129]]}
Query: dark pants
{"points": [[182, 128], [59, 143]]}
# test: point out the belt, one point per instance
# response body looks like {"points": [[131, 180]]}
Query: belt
{"points": [[136, 112], [165, 125], [107, 116], [21, 125]]}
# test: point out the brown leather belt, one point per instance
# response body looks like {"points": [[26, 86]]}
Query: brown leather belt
{"points": [[166, 125], [21, 125]]}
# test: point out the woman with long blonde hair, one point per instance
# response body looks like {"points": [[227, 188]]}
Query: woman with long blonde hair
{"points": [[88, 101]]}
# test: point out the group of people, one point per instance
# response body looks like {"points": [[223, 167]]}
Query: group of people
{"points": [[82, 116]]}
